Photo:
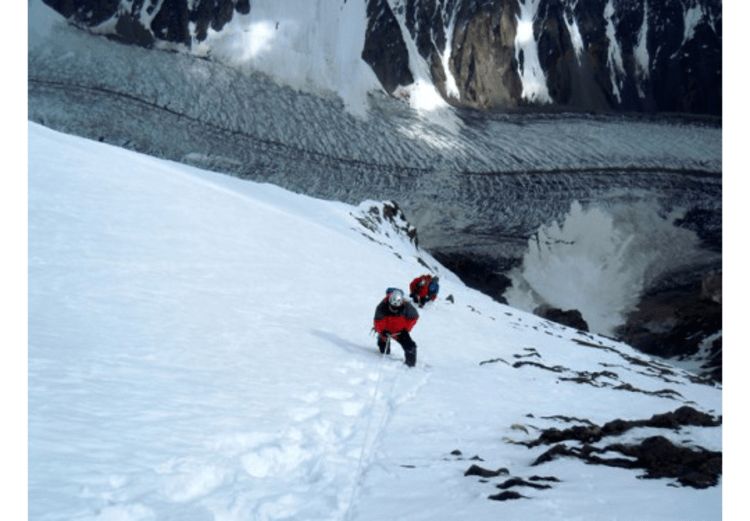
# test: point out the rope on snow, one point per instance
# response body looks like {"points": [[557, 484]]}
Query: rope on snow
{"points": [[358, 473]]}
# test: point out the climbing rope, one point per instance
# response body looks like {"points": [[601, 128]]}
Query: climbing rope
{"points": [[355, 486]]}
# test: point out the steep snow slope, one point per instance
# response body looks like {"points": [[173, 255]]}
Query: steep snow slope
{"points": [[199, 348]]}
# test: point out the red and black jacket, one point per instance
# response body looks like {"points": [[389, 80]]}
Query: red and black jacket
{"points": [[419, 287], [392, 320]]}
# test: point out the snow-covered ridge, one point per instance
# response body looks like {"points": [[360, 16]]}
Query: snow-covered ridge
{"points": [[199, 348]]}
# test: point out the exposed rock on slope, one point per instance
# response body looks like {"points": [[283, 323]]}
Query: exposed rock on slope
{"points": [[681, 324], [660, 458]]}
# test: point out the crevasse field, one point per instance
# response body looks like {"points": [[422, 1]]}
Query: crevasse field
{"points": [[199, 348]]}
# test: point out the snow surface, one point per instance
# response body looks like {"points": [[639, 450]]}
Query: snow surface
{"points": [[529, 69], [693, 16], [575, 35], [640, 52], [199, 348], [309, 45], [614, 53]]}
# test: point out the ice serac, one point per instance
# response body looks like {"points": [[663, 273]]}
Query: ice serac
{"points": [[597, 55]]}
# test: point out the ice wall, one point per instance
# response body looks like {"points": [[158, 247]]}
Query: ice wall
{"points": [[599, 260]]}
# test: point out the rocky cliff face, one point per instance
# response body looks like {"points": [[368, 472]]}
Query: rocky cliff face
{"points": [[143, 22], [594, 55], [597, 55]]}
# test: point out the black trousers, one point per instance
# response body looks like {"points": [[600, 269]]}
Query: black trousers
{"points": [[420, 301], [408, 345]]}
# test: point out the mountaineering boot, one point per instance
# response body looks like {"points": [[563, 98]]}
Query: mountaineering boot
{"points": [[411, 356]]}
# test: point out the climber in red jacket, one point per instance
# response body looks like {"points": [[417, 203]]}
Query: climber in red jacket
{"points": [[424, 289], [394, 319]]}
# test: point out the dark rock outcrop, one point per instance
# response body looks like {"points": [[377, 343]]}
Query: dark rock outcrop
{"points": [[660, 458], [518, 482], [592, 433], [482, 274], [384, 218], [711, 287], [680, 323], [385, 50], [483, 57], [476, 470], [142, 23], [506, 495], [485, 475], [570, 318]]}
